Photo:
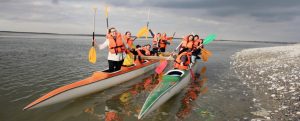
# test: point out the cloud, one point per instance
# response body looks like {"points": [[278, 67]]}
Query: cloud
{"points": [[272, 20]]}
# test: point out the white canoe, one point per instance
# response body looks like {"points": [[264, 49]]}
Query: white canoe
{"points": [[173, 82], [97, 82]]}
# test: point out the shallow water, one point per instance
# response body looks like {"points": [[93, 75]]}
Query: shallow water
{"points": [[34, 64]]}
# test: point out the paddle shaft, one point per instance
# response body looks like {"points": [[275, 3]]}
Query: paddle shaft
{"points": [[95, 10]]}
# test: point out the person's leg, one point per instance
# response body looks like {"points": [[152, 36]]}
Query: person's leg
{"points": [[111, 66], [118, 65], [193, 58], [162, 49]]}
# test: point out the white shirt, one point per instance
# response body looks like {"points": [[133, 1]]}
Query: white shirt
{"points": [[112, 56]]}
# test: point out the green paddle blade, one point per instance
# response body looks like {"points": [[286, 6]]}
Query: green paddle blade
{"points": [[92, 55], [209, 39]]}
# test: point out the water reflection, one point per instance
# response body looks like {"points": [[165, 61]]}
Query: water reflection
{"points": [[195, 89], [126, 105]]}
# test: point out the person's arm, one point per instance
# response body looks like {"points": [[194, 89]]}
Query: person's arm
{"points": [[103, 45]]}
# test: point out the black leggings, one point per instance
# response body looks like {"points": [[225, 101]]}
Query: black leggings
{"points": [[114, 65]]}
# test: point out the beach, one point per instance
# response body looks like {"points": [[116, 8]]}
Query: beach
{"points": [[273, 74]]}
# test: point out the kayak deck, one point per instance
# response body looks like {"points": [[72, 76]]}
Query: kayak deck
{"points": [[173, 82], [96, 77]]}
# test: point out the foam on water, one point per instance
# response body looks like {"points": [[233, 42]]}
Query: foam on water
{"points": [[274, 75]]}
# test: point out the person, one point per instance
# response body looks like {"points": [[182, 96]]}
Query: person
{"points": [[163, 42], [183, 60], [137, 56], [155, 44], [147, 50], [116, 49], [129, 41], [187, 43], [197, 45]]}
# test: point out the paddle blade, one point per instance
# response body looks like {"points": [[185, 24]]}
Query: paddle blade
{"points": [[160, 68], [92, 55], [205, 54], [128, 60], [106, 11], [209, 39], [142, 32]]}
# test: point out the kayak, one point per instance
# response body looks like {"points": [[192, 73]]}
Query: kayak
{"points": [[98, 81], [172, 83], [157, 57]]}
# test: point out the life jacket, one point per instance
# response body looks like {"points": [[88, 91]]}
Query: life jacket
{"points": [[155, 41], [186, 43], [147, 52], [129, 41], [178, 61], [163, 41], [116, 46]]}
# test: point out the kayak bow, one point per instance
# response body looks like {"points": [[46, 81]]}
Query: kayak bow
{"points": [[173, 82], [97, 82]]}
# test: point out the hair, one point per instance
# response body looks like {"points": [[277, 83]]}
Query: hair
{"points": [[127, 32], [137, 46], [196, 36], [109, 30], [189, 37]]}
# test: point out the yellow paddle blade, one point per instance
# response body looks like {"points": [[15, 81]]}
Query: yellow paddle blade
{"points": [[205, 54], [106, 11], [128, 60], [143, 32], [92, 55]]}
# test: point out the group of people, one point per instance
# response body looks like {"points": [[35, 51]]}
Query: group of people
{"points": [[189, 51], [119, 45]]}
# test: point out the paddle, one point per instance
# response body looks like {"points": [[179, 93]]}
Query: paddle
{"points": [[209, 39], [106, 14], [92, 52]]}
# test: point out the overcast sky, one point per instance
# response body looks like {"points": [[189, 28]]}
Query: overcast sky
{"points": [[257, 20]]}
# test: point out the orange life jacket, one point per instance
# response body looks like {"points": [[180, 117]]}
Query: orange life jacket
{"points": [[163, 41], [178, 61], [116, 46], [155, 41], [186, 43], [197, 43], [129, 41]]}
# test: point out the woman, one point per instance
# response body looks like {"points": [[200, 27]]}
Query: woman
{"points": [[197, 45], [129, 40], [187, 43], [116, 49]]}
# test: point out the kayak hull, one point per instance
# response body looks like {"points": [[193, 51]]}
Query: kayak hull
{"points": [[97, 82], [161, 94]]}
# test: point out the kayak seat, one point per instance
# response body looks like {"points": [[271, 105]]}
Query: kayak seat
{"points": [[175, 73]]}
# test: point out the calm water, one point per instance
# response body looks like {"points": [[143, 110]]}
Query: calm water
{"points": [[32, 65]]}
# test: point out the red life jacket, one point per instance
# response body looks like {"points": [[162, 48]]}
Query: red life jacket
{"points": [[178, 61], [115, 45]]}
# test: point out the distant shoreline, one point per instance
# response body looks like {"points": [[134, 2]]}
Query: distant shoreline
{"points": [[103, 35]]}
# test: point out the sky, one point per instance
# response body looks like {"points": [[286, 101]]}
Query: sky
{"points": [[249, 20]]}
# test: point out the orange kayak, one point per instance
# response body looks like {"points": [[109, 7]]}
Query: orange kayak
{"points": [[97, 82]]}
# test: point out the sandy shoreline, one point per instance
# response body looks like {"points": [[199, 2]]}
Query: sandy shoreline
{"points": [[274, 75]]}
